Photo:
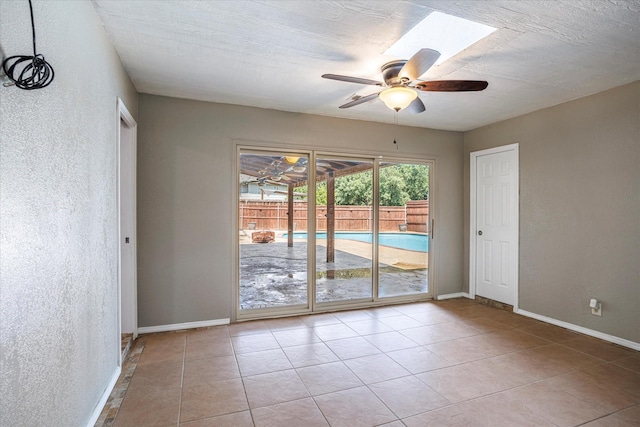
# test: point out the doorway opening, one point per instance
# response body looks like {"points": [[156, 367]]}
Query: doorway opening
{"points": [[127, 278]]}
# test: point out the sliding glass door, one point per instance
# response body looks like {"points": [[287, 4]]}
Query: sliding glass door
{"points": [[318, 231], [344, 224], [403, 222], [273, 245]]}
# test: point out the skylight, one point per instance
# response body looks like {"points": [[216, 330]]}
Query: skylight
{"points": [[447, 34]]}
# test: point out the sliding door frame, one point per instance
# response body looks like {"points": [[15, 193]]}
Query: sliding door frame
{"points": [[312, 306], [360, 302], [284, 310], [430, 294]]}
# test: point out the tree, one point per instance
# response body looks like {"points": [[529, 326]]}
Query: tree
{"points": [[392, 188], [416, 178], [321, 192], [399, 183], [354, 189]]}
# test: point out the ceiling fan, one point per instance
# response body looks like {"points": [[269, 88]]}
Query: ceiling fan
{"points": [[262, 180], [401, 84], [278, 170]]}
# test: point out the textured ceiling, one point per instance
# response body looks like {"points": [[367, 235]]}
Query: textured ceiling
{"points": [[271, 54]]}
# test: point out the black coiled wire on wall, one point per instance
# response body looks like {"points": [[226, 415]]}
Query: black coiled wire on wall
{"points": [[29, 72]]}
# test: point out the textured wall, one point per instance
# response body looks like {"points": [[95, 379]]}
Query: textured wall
{"points": [[58, 219], [185, 199], [579, 208]]}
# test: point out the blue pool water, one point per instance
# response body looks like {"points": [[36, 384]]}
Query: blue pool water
{"points": [[408, 241]]}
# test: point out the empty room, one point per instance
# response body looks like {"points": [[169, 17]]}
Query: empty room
{"points": [[319, 213]]}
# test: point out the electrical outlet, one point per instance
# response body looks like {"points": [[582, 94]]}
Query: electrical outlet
{"points": [[597, 311]]}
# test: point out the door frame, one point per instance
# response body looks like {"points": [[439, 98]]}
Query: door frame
{"points": [[279, 311], [241, 145], [321, 307], [473, 217], [127, 299]]}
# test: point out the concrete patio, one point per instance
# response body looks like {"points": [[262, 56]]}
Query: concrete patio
{"points": [[273, 274]]}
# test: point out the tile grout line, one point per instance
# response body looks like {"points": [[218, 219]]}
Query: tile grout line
{"points": [[609, 414], [244, 387], [184, 361], [563, 344]]}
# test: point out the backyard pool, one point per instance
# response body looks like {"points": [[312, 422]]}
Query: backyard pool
{"points": [[407, 241]]}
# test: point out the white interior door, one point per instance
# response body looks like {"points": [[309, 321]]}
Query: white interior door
{"points": [[496, 224]]}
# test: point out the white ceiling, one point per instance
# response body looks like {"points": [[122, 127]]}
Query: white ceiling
{"points": [[271, 53]]}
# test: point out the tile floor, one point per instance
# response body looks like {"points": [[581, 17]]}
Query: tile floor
{"points": [[447, 363]]}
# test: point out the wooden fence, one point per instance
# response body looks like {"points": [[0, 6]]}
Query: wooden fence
{"points": [[263, 215], [417, 215]]}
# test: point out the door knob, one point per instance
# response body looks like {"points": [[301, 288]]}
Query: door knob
{"points": [[479, 232]]}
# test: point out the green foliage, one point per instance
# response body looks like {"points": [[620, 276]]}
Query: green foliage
{"points": [[416, 178], [355, 189], [392, 187], [321, 192], [399, 183]]}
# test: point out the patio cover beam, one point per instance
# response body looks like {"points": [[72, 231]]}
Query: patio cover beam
{"points": [[290, 215], [331, 217]]}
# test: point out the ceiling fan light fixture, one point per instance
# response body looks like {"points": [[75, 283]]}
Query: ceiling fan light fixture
{"points": [[398, 97]]}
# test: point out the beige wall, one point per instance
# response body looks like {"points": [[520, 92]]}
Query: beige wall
{"points": [[186, 202], [58, 218], [579, 208]]}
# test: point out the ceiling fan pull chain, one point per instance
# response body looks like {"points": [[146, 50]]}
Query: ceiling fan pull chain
{"points": [[395, 116]]}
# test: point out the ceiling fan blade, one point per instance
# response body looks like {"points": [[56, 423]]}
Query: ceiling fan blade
{"points": [[452, 86], [419, 63], [352, 79], [360, 101], [416, 106]]}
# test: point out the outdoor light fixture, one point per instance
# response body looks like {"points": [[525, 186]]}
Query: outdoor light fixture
{"points": [[398, 97], [292, 160]]}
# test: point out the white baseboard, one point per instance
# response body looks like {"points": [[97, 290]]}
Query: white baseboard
{"points": [[606, 337], [456, 295], [179, 326], [103, 400]]}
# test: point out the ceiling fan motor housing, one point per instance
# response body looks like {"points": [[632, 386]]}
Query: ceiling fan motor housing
{"points": [[390, 72]]}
